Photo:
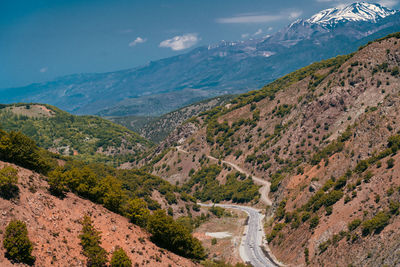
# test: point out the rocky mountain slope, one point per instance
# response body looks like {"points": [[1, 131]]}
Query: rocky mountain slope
{"points": [[54, 226], [326, 138], [157, 129], [224, 68], [87, 137]]}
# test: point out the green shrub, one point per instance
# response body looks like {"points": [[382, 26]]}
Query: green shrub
{"points": [[167, 233], [314, 221], [21, 150], [275, 181], [17, 244], [137, 212], [90, 242], [277, 228], [332, 197], [394, 207], [394, 143], [324, 246], [217, 211], [120, 259], [341, 182], [306, 256], [8, 182], [57, 183], [280, 211], [376, 224], [305, 216], [354, 224], [361, 166], [390, 163]]}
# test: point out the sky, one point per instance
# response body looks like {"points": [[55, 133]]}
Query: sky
{"points": [[44, 39]]}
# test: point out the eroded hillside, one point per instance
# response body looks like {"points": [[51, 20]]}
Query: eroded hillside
{"points": [[322, 137], [54, 226]]}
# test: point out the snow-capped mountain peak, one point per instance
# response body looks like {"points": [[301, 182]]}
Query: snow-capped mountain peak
{"points": [[360, 11]]}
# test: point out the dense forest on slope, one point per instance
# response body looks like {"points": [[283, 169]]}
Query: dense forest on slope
{"points": [[88, 138], [325, 136]]}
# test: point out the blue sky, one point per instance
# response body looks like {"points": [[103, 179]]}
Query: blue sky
{"points": [[44, 39]]}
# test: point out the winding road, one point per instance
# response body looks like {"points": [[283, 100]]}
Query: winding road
{"points": [[253, 248], [265, 185]]}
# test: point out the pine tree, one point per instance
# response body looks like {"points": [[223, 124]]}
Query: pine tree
{"points": [[90, 242], [120, 259], [17, 244]]}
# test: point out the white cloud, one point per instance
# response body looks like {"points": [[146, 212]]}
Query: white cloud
{"points": [[43, 70], [261, 18], [343, 3], [250, 19], [125, 31], [245, 35], [181, 42], [138, 40], [295, 14], [258, 32], [388, 3]]}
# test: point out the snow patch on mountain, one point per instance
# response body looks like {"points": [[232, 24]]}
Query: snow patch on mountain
{"points": [[355, 12]]}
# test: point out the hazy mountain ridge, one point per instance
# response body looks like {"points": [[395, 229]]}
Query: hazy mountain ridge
{"points": [[225, 68], [157, 129]]}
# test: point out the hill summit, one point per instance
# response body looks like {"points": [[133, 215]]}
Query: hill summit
{"points": [[360, 11]]}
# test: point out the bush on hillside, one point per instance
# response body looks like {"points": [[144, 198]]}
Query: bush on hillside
{"points": [[173, 236], [21, 150], [137, 212], [90, 242], [17, 244], [375, 224], [8, 182], [120, 259], [354, 224]]}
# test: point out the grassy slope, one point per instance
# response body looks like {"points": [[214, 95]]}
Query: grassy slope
{"points": [[88, 137]]}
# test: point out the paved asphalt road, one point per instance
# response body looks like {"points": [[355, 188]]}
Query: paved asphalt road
{"points": [[252, 240], [250, 247]]}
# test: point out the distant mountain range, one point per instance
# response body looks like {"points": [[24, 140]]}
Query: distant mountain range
{"points": [[224, 68]]}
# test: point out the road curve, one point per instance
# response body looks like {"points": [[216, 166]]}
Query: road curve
{"points": [[252, 241], [265, 185], [251, 247]]}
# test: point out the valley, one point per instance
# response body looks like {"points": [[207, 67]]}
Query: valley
{"points": [[298, 139], [280, 150]]}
